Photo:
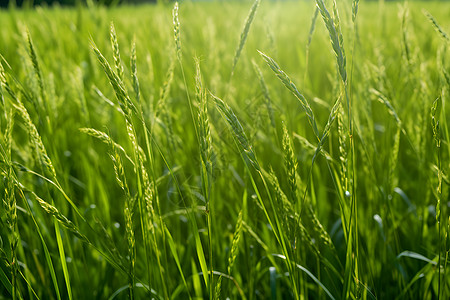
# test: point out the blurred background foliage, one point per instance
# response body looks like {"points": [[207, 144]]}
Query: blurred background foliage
{"points": [[31, 3]]}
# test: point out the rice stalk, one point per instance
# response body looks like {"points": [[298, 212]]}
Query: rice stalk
{"points": [[176, 30], [319, 229], [149, 197], [145, 195], [145, 199], [203, 121], [63, 220], [116, 82], [311, 149], [317, 226], [44, 244], [116, 52], [47, 164], [291, 86], [176, 24], [235, 244], [198, 243], [326, 131], [36, 66], [3, 82], [333, 114], [128, 213], [446, 76], [59, 217], [232, 255], [105, 138], [393, 159], [244, 34], [249, 157], [36, 140], [37, 144], [238, 130], [333, 27], [436, 26], [435, 119], [134, 76], [11, 204], [206, 150], [285, 208], [352, 265], [387, 103]]}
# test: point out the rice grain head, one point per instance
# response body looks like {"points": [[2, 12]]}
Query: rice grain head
{"points": [[116, 51], [63, 220], [244, 34], [291, 163], [176, 30], [203, 121], [291, 86], [235, 243], [238, 131], [134, 75], [333, 27], [436, 26], [35, 63], [36, 140]]}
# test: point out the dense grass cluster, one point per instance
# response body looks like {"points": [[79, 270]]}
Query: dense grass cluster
{"points": [[250, 150]]}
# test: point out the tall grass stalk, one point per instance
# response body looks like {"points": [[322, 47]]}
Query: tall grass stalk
{"points": [[435, 119], [284, 78], [11, 205], [437, 27], [128, 213], [243, 37], [232, 255], [333, 26], [198, 243], [250, 160], [145, 194], [311, 118], [205, 143]]}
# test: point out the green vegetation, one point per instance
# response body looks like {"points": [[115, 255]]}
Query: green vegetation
{"points": [[253, 150]]}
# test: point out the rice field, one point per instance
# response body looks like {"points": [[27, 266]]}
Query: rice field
{"points": [[225, 150]]}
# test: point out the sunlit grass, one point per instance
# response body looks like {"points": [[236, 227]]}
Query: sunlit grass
{"points": [[211, 150]]}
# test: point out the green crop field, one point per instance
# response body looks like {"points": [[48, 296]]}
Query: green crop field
{"points": [[225, 150]]}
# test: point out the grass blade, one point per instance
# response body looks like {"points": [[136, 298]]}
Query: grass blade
{"points": [[63, 260]]}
